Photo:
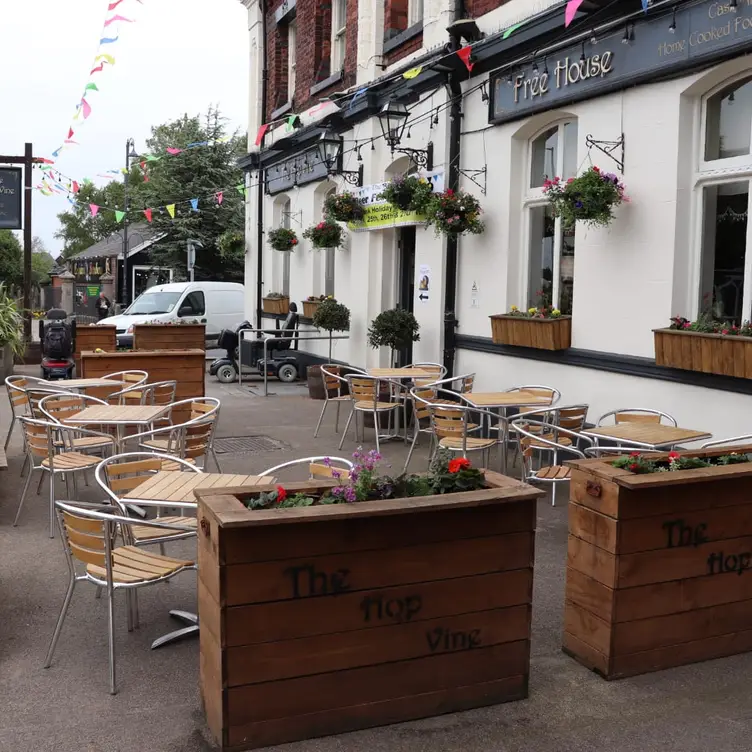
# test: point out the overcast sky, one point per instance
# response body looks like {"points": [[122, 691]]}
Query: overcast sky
{"points": [[179, 56]]}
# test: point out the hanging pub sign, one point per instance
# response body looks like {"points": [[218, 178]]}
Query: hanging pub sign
{"points": [[656, 47], [10, 198]]}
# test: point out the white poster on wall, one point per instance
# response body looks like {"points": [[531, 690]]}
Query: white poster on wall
{"points": [[424, 283]]}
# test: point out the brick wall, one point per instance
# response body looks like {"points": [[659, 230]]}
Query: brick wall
{"points": [[410, 46], [395, 17], [478, 8]]}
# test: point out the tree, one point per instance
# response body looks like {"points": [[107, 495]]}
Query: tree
{"points": [[11, 255]]}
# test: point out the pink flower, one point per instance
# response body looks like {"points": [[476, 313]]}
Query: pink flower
{"points": [[724, 331]]}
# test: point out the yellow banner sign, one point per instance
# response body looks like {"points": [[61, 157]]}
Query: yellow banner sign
{"points": [[384, 216]]}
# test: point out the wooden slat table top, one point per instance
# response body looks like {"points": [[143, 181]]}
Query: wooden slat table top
{"points": [[81, 383], [507, 399], [654, 434], [179, 486], [402, 373], [114, 414]]}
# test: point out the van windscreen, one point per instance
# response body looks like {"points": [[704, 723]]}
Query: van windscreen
{"points": [[154, 302]]}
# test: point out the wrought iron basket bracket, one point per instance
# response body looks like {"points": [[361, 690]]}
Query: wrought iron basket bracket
{"points": [[473, 175], [296, 216], [608, 148]]}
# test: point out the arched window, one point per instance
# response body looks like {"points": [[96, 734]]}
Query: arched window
{"points": [[550, 257], [722, 187]]}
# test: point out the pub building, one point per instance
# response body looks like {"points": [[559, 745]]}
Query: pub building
{"points": [[662, 98]]}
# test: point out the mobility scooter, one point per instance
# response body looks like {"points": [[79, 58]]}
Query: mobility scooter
{"points": [[57, 337]]}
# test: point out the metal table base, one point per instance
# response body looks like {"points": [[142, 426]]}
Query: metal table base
{"points": [[187, 618]]}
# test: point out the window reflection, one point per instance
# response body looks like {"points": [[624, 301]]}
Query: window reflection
{"points": [[729, 122]]}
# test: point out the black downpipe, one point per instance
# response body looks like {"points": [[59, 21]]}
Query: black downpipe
{"points": [[453, 177], [261, 179]]}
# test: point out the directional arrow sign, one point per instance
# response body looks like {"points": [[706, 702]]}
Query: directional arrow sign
{"points": [[422, 296]]}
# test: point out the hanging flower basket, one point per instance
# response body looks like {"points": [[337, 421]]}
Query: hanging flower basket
{"points": [[408, 193], [326, 234], [590, 198], [282, 239], [455, 213], [343, 207]]}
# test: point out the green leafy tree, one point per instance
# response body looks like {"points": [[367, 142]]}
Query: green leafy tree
{"points": [[11, 255]]}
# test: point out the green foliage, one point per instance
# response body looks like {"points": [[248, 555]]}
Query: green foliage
{"points": [[343, 207], [332, 316], [454, 213], [279, 499], [11, 322], [11, 258], [326, 234], [394, 329], [409, 193], [282, 239], [643, 465]]}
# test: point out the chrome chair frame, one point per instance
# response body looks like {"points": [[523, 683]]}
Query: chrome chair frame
{"points": [[376, 409], [346, 465], [20, 399], [671, 420], [724, 442], [327, 374], [466, 380]]}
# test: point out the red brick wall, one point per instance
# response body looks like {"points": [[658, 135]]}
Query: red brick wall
{"points": [[395, 17], [410, 46], [478, 8]]}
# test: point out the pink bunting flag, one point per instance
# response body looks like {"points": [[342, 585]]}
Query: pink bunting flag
{"points": [[571, 10], [173, 150], [75, 187], [87, 108], [114, 5], [98, 69], [220, 196], [464, 55], [93, 208], [70, 132], [147, 214], [129, 20], [261, 131]]}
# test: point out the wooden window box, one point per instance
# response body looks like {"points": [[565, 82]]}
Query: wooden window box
{"points": [[310, 307], [707, 353], [541, 334], [657, 566], [169, 337], [333, 618], [276, 305]]}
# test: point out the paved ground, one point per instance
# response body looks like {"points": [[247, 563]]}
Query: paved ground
{"points": [[67, 708]]}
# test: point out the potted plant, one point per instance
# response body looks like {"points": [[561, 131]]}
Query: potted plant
{"points": [[408, 193], [658, 562], [343, 207], [708, 345], [311, 303], [454, 213], [590, 197], [427, 581], [395, 329], [282, 239], [541, 327], [11, 332], [276, 302], [332, 316], [326, 234]]}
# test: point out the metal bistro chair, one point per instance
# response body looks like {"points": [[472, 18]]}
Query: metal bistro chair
{"points": [[19, 403], [319, 468], [402, 390], [461, 384], [34, 395], [88, 533], [421, 398], [636, 415], [57, 408], [47, 444], [128, 378], [548, 437], [747, 440], [364, 395], [334, 380]]}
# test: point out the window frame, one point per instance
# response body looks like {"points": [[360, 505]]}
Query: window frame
{"points": [[182, 303], [330, 260], [338, 48], [415, 12], [533, 198], [292, 58]]}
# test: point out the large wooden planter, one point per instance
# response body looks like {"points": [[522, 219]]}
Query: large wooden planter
{"points": [[186, 367], [169, 337], [276, 305], [657, 567], [542, 334], [310, 307], [335, 618], [708, 353], [93, 337]]}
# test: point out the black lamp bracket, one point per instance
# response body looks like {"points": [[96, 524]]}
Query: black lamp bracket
{"points": [[354, 177], [474, 177], [421, 158], [608, 148]]}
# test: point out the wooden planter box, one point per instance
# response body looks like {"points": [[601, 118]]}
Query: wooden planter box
{"points": [[276, 305], [310, 307], [708, 353], [656, 567], [93, 337], [187, 367], [169, 337], [335, 618], [542, 334]]}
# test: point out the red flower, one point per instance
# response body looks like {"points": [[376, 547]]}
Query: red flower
{"points": [[673, 455], [595, 169], [281, 494], [634, 467], [724, 331], [294, 241], [449, 192], [458, 464], [634, 454]]}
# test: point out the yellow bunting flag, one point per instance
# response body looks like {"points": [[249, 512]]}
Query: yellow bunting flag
{"points": [[103, 56], [171, 210], [413, 72]]}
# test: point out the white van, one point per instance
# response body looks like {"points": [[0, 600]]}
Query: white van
{"points": [[219, 305]]}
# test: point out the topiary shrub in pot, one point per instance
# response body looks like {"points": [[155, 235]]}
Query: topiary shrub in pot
{"points": [[332, 316], [395, 329]]}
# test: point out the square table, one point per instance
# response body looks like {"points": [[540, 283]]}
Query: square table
{"points": [[653, 435], [118, 415], [175, 486], [401, 373]]}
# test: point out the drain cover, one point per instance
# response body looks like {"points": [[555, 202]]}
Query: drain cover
{"points": [[249, 444]]}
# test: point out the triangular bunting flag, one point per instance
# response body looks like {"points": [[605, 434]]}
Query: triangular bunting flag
{"points": [[292, 122], [119, 215], [645, 5], [358, 94], [108, 40], [241, 189], [173, 150], [147, 214], [571, 10], [220, 196], [86, 107], [508, 33], [464, 55], [128, 20], [413, 72], [151, 158], [194, 204], [171, 210], [114, 4], [93, 208], [107, 58], [75, 187], [261, 131], [98, 69], [70, 132]]}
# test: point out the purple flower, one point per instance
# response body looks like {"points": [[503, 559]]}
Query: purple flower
{"points": [[578, 204], [350, 494], [326, 461], [336, 474]]}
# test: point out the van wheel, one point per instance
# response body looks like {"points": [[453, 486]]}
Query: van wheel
{"points": [[227, 374], [287, 373]]}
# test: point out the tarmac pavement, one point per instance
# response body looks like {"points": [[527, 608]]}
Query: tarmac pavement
{"points": [[67, 708]]}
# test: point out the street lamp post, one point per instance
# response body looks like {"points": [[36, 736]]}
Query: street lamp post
{"points": [[127, 286]]}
